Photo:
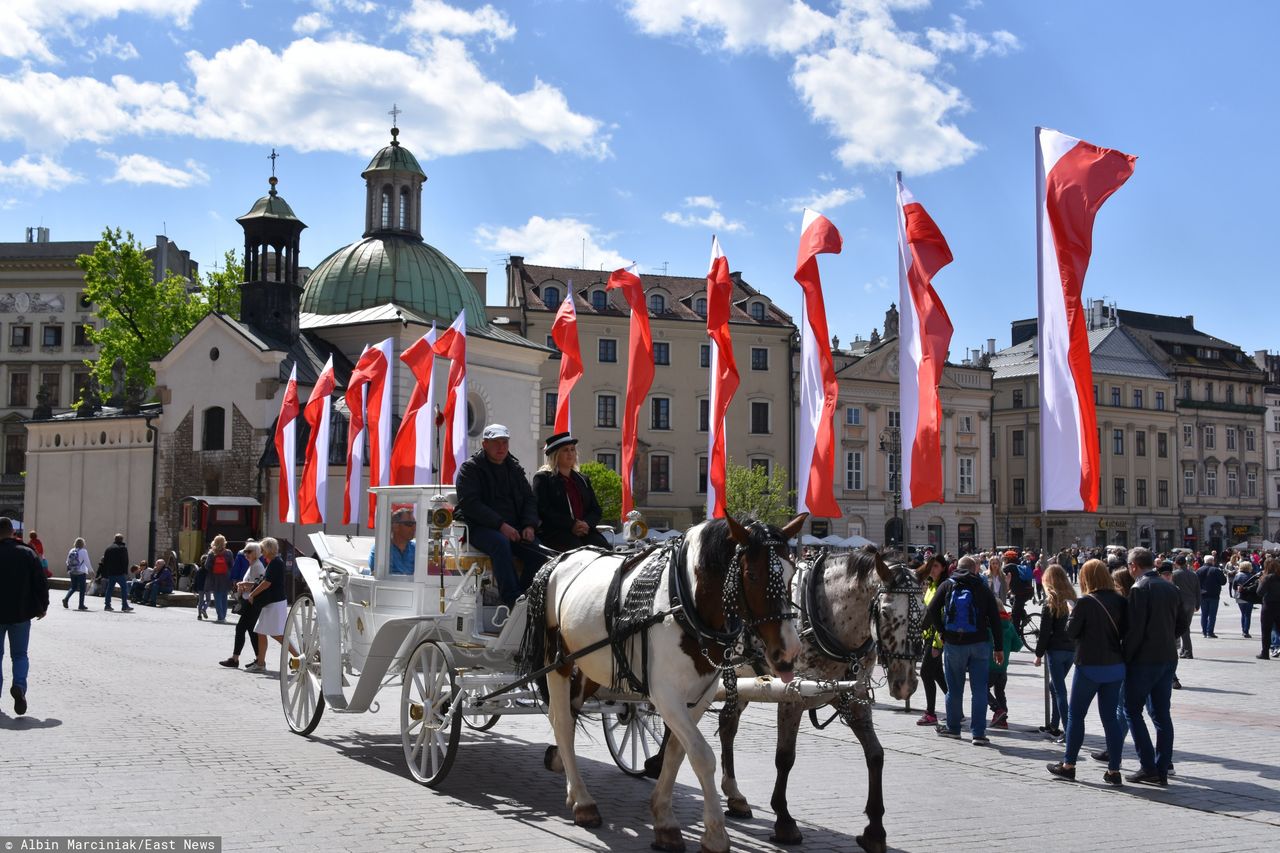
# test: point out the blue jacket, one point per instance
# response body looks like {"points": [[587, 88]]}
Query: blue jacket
{"points": [[1212, 580]]}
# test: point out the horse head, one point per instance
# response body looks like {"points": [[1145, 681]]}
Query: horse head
{"points": [[899, 611], [764, 568]]}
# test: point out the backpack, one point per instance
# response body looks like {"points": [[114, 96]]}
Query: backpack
{"points": [[1247, 590], [73, 561], [221, 564], [1026, 572], [961, 615]]}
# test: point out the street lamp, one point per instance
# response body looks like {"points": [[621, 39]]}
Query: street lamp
{"points": [[891, 443]]}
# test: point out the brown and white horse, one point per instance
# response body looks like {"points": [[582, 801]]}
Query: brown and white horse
{"points": [[854, 609], [728, 579]]}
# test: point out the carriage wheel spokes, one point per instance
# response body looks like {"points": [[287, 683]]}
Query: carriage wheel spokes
{"points": [[633, 735], [300, 692], [428, 731]]}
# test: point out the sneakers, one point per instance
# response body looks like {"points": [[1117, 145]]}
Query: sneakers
{"points": [[1262, 656], [927, 719], [1062, 771], [1000, 716], [1002, 723], [230, 662], [981, 740], [1101, 755], [82, 607], [108, 607], [1149, 777], [1112, 777], [1177, 685], [255, 667], [19, 700], [943, 731], [126, 609], [65, 606]]}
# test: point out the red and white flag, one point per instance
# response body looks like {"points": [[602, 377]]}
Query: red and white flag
{"points": [[924, 336], [816, 455], [453, 345], [639, 374], [564, 331], [724, 375], [1073, 179], [369, 392], [286, 441], [314, 491], [412, 455]]}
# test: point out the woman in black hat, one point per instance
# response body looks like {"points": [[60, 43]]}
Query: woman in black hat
{"points": [[567, 505]]}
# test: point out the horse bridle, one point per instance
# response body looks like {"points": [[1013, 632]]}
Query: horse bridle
{"points": [[776, 587], [903, 584]]}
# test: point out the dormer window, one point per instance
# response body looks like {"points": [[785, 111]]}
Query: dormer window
{"points": [[657, 303], [551, 297], [599, 300], [757, 311], [700, 306]]}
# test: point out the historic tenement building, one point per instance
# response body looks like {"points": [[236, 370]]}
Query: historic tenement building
{"points": [[1270, 363]]}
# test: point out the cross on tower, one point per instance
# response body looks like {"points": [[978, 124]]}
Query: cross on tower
{"points": [[395, 114], [272, 157]]}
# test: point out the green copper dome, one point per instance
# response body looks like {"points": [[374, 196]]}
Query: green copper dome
{"points": [[382, 269], [270, 206], [394, 157]]}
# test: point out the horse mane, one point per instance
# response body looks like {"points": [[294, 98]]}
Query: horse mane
{"points": [[862, 560], [719, 546]]}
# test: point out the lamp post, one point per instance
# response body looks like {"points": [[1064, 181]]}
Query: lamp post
{"points": [[891, 443]]}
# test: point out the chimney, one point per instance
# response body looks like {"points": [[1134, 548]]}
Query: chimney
{"points": [[42, 235], [991, 346]]}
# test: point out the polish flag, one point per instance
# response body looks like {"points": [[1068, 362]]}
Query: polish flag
{"points": [[1073, 179], [639, 374], [313, 492], [411, 457], [564, 331], [355, 397], [724, 375], [816, 453], [370, 393], [286, 441], [924, 336], [453, 344]]}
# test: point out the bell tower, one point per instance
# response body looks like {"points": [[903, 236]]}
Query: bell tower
{"points": [[270, 294], [393, 190]]}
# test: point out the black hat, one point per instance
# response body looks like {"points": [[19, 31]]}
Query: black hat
{"points": [[557, 441], [1166, 567]]}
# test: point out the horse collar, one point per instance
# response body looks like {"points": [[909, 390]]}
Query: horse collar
{"points": [[686, 608], [813, 628]]}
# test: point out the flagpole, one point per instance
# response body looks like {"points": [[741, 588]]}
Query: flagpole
{"points": [[1044, 513]]}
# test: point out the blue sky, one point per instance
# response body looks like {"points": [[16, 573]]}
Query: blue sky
{"points": [[642, 126]]}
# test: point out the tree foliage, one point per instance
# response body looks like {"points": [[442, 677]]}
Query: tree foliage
{"points": [[607, 485], [220, 289], [750, 493]]}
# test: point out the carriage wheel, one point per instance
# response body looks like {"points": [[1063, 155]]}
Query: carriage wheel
{"points": [[1031, 630], [481, 724], [300, 686], [429, 686], [633, 736]]}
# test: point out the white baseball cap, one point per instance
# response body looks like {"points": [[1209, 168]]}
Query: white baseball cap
{"points": [[496, 431]]}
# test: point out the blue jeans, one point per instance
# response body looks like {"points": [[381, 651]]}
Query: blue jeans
{"points": [[220, 604], [1208, 613], [19, 634], [112, 580], [78, 584], [957, 660], [1083, 689], [1246, 616], [1149, 687], [1059, 665], [502, 552]]}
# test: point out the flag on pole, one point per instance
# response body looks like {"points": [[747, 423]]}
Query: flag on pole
{"points": [[286, 441], [369, 392], [816, 451], [924, 336], [564, 331], [313, 493], [1073, 179], [723, 375], [453, 344], [639, 374], [411, 457], [355, 397]]}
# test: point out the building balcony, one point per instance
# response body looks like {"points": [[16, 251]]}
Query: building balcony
{"points": [[1214, 405]]}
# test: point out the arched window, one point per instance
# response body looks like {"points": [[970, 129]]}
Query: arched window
{"points": [[757, 310], [657, 303], [551, 297], [211, 436], [404, 208], [386, 208], [599, 300], [700, 306]]}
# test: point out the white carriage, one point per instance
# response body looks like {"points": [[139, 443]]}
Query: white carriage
{"points": [[438, 634]]}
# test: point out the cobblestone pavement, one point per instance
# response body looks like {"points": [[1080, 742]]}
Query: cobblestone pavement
{"points": [[133, 728]]}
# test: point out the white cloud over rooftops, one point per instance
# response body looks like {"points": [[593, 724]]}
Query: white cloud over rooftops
{"points": [[824, 201], [712, 219], [26, 25], [559, 242], [141, 169], [43, 173]]}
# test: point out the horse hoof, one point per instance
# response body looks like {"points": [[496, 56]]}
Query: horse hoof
{"points": [[668, 840], [551, 760], [871, 845], [587, 816], [786, 834], [739, 810]]}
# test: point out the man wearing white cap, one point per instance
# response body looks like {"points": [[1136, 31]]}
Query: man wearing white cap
{"points": [[497, 504]]}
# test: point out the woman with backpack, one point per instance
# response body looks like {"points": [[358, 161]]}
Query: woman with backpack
{"points": [[931, 575], [78, 567], [217, 579], [1244, 589], [1055, 644], [1098, 621]]}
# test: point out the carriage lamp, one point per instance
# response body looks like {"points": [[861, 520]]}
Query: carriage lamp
{"points": [[440, 516], [634, 528]]}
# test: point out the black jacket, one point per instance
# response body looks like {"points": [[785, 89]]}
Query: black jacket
{"points": [[1097, 624], [1156, 617], [492, 495], [1188, 586], [24, 591], [1269, 592], [1053, 636], [115, 560], [553, 504], [987, 615]]}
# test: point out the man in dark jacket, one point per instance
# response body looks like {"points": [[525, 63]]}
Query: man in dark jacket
{"points": [[1189, 588], [497, 504], [965, 611], [1156, 617], [115, 565], [1212, 580], [24, 595]]}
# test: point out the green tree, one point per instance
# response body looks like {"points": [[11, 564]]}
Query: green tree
{"points": [[750, 493], [220, 289], [139, 319], [607, 485]]}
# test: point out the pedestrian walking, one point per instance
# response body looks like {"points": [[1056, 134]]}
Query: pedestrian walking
{"points": [[1189, 587], [1021, 574], [1269, 593], [250, 576], [1055, 645], [115, 565], [931, 575], [217, 580], [996, 579], [1244, 584], [24, 596], [1212, 580], [998, 668], [270, 597], [34, 543], [78, 567], [1151, 659]]}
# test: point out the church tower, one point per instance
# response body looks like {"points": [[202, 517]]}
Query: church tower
{"points": [[270, 295], [393, 192]]}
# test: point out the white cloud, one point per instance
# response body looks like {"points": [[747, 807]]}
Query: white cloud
{"points": [[779, 27], [554, 242], [880, 283], [713, 218], [41, 174], [26, 24], [958, 39], [311, 23], [829, 200], [113, 48], [435, 17], [141, 169]]}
